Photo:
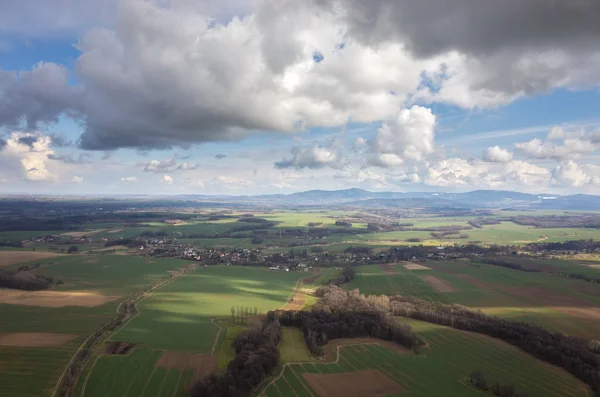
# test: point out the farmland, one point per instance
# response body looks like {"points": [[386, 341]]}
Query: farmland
{"points": [[185, 328], [100, 276], [441, 369], [557, 303], [178, 317]]}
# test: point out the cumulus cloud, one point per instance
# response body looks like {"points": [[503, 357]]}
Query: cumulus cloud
{"points": [[496, 154], [569, 174], [455, 172], [166, 179], [76, 179], [26, 154], [570, 149], [220, 156], [410, 136], [36, 96], [407, 178], [128, 179], [315, 157], [145, 80]]}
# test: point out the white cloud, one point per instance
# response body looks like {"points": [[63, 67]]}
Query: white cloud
{"points": [[282, 185], [314, 157], [233, 182], [457, 172], [556, 132], [571, 148], [77, 179], [25, 154], [166, 179], [495, 154], [128, 179], [569, 174], [407, 177], [409, 137]]}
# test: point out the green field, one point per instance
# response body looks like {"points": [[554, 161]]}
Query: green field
{"points": [[557, 303], [112, 275], [177, 316], [135, 374], [228, 335], [292, 347], [441, 369]]}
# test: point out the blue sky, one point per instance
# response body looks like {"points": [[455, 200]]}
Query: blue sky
{"points": [[207, 97]]}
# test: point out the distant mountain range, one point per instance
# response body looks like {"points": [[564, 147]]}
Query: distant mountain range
{"points": [[474, 199]]}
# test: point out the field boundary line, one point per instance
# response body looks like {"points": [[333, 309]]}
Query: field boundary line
{"points": [[87, 377], [212, 320], [145, 295]]}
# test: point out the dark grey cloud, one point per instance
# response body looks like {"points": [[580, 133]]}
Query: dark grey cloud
{"points": [[430, 27], [54, 18], [59, 140], [83, 158], [28, 140], [314, 157], [220, 156], [2, 143], [36, 96]]}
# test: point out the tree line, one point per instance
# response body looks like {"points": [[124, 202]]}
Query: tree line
{"points": [[478, 379], [576, 355], [256, 358], [319, 327], [24, 280]]}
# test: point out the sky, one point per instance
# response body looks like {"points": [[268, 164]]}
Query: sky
{"points": [[256, 97]]}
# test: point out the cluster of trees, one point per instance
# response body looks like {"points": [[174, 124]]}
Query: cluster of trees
{"points": [[314, 224], [343, 223], [320, 326], [479, 222], [572, 354], [26, 268], [256, 357], [13, 244], [553, 221], [580, 276], [240, 315], [575, 245], [253, 219], [127, 242], [345, 276], [393, 227], [576, 355], [479, 380], [26, 281], [507, 264]]}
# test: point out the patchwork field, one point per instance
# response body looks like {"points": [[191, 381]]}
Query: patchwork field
{"points": [[178, 316], [441, 369], [41, 330], [175, 335], [555, 302], [13, 257]]}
